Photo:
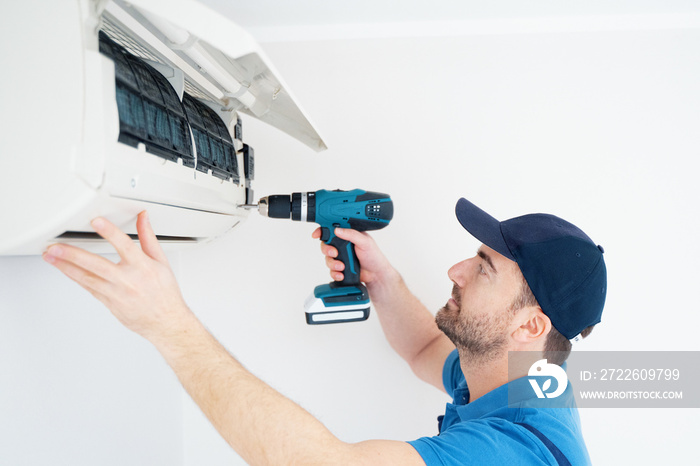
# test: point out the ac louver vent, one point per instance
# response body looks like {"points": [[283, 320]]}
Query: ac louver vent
{"points": [[90, 236]]}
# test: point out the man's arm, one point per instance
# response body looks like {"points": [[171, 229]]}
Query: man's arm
{"points": [[408, 325], [263, 426]]}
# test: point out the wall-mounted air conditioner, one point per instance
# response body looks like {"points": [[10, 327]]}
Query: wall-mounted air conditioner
{"points": [[111, 107]]}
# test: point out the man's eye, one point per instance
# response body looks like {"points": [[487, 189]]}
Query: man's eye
{"points": [[481, 269]]}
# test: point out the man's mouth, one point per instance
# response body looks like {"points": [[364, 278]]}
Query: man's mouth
{"points": [[453, 302]]}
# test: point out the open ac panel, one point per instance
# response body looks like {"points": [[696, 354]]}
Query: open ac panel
{"points": [[119, 107]]}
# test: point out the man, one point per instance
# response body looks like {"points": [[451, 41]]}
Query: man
{"points": [[491, 312]]}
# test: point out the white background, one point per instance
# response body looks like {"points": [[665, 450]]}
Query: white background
{"points": [[597, 126]]}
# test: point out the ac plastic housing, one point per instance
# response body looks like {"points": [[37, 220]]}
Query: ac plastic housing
{"points": [[62, 160]]}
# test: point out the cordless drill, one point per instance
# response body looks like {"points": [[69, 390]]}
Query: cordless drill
{"points": [[346, 300]]}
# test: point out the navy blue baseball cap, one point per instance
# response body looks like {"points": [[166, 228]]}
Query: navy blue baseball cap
{"points": [[563, 266]]}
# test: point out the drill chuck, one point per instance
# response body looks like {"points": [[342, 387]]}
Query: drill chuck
{"points": [[297, 206]]}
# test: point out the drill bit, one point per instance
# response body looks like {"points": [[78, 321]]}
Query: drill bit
{"points": [[261, 206]]}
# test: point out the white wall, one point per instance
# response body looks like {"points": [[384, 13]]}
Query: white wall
{"points": [[75, 387], [598, 128]]}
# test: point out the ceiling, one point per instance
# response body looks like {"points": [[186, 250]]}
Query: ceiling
{"points": [[283, 20]]}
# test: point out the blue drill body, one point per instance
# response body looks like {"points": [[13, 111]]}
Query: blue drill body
{"points": [[346, 300]]}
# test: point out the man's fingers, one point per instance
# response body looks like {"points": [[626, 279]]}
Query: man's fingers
{"points": [[121, 241], [328, 250], [334, 264], [148, 240], [359, 239], [336, 268], [83, 260], [356, 237], [93, 283]]}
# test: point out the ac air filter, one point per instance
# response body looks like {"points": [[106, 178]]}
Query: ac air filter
{"points": [[150, 111], [215, 150]]}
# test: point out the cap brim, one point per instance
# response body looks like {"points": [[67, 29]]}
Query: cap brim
{"points": [[482, 226]]}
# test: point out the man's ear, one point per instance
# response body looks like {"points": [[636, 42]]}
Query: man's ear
{"points": [[532, 326]]}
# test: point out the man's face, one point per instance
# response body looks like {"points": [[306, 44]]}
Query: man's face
{"points": [[478, 316]]}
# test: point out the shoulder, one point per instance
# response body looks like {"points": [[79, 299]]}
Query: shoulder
{"points": [[560, 426], [495, 440], [483, 441]]}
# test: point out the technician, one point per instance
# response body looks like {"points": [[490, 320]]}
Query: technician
{"points": [[536, 282]]}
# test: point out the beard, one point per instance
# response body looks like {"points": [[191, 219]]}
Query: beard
{"points": [[480, 337]]}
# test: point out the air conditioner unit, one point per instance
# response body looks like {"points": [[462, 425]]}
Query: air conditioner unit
{"points": [[111, 107]]}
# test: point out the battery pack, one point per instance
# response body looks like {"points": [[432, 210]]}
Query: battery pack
{"points": [[333, 304]]}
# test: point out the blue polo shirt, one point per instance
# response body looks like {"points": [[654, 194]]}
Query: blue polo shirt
{"points": [[485, 432]]}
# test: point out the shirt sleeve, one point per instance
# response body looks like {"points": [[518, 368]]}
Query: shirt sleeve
{"points": [[452, 372], [481, 442]]}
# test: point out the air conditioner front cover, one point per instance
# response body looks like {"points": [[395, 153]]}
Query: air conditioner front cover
{"points": [[64, 160]]}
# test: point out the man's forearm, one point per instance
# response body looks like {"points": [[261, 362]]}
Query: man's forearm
{"points": [[263, 426], [410, 327]]}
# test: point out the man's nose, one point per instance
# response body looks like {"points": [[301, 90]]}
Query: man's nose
{"points": [[456, 273]]}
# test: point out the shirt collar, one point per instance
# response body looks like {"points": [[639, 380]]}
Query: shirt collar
{"points": [[515, 394]]}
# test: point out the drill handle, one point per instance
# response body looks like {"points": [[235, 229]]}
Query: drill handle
{"points": [[346, 254]]}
